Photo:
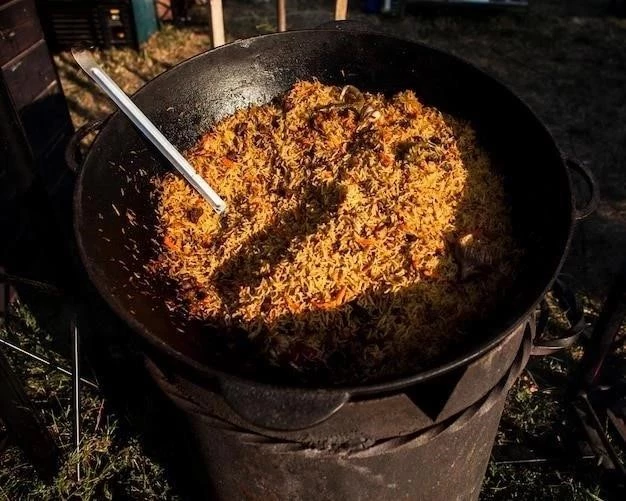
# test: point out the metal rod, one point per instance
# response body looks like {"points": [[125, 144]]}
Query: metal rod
{"points": [[86, 61], [281, 14], [42, 286], [618, 424], [217, 23], [341, 10], [617, 462], [45, 362], [76, 393], [605, 332]]}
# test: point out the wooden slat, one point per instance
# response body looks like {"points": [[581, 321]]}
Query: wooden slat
{"points": [[19, 29], [217, 23], [281, 14], [45, 119], [341, 10], [29, 74]]}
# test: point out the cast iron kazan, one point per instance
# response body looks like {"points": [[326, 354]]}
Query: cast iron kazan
{"points": [[186, 100]]}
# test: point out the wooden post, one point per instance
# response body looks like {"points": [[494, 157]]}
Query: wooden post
{"points": [[281, 14], [341, 10], [217, 23]]}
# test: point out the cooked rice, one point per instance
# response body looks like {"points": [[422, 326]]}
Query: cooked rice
{"points": [[363, 233]]}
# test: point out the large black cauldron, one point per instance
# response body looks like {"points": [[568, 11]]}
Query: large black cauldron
{"points": [[184, 102]]}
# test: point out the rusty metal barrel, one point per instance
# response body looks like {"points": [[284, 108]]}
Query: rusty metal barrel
{"points": [[431, 441]]}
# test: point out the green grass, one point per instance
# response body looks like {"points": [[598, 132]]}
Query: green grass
{"points": [[113, 464], [540, 483]]}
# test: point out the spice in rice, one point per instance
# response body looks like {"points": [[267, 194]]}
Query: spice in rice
{"points": [[363, 232]]}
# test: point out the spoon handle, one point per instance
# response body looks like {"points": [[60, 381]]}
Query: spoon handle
{"points": [[86, 61]]}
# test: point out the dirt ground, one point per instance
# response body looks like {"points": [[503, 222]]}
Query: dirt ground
{"points": [[565, 58]]}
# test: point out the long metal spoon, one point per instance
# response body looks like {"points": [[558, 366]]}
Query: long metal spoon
{"points": [[85, 60]]}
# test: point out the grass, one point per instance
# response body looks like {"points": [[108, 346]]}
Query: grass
{"points": [[515, 483], [114, 465]]}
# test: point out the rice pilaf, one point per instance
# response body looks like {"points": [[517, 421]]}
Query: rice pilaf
{"points": [[363, 232]]}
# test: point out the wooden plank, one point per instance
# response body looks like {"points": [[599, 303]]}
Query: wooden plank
{"points": [[19, 28], [217, 23], [16, 164], [46, 119], [281, 14], [29, 75], [341, 10]]}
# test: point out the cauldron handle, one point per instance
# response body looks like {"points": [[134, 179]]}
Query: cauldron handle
{"points": [[73, 155], [281, 408], [568, 303], [594, 198]]}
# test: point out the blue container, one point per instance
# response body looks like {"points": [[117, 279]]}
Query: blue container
{"points": [[371, 6], [146, 24]]}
